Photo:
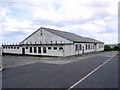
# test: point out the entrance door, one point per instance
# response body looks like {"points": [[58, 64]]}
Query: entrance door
{"points": [[44, 50], [23, 51], [83, 49], [95, 47]]}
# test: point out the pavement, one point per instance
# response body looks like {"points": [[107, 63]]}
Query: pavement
{"points": [[66, 75], [15, 61]]}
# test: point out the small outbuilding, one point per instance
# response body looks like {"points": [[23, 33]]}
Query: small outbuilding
{"points": [[50, 42]]}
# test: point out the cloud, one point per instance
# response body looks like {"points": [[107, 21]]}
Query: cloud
{"points": [[92, 18]]}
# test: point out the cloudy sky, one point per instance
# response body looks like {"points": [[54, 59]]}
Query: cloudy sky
{"points": [[96, 19]]}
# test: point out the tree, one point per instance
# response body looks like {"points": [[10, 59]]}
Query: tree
{"points": [[117, 48], [107, 48]]}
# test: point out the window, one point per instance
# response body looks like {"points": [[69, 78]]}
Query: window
{"points": [[44, 49], [14, 47], [55, 48], [76, 47], [35, 50], [41, 33], [11, 47], [30, 49], [17, 47], [60, 48], [80, 47], [39, 49], [101, 45], [91, 46], [86, 46], [49, 48], [26, 47]]}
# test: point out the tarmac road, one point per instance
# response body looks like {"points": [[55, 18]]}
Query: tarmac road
{"points": [[46, 75]]}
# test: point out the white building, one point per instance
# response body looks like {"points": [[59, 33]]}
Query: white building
{"points": [[0, 50], [49, 42]]}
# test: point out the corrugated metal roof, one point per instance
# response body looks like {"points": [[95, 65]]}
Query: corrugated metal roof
{"points": [[71, 36]]}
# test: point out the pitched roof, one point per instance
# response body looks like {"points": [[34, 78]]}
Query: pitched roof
{"points": [[71, 36]]}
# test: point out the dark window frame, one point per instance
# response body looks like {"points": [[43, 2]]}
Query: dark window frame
{"points": [[39, 49], [55, 48], [86, 46], [44, 50], [49, 48], [80, 47], [35, 49], [41, 33], [30, 50], [60, 48], [76, 47]]}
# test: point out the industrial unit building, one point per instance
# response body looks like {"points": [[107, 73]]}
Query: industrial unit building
{"points": [[50, 42]]}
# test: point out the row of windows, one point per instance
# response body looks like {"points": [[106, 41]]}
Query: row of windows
{"points": [[51, 42], [89, 46], [35, 49], [49, 48], [55, 48], [11, 47], [78, 47]]}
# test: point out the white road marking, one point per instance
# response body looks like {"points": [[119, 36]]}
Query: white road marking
{"points": [[90, 73]]}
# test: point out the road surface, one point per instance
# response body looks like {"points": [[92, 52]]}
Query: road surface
{"points": [[99, 71]]}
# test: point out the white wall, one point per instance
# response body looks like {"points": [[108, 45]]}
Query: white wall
{"points": [[51, 52], [14, 51], [100, 48], [1, 50], [68, 50], [93, 48], [46, 36]]}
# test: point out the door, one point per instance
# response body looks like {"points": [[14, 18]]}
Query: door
{"points": [[95, 47], [76, 49], [23, 51], [44, 50], [83, 49]]}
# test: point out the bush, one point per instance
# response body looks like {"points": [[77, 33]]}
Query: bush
{"points": [[117, 48], [107, 48]]}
